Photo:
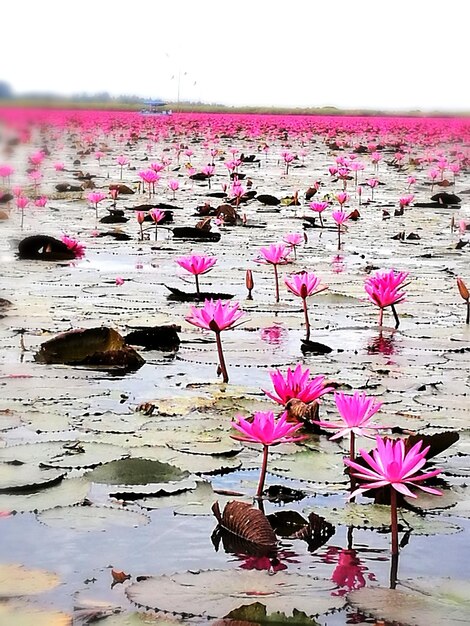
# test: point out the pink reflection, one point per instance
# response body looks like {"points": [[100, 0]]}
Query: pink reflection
{"points": [[275, 335], [337, 264], [272, 564], [382, 344], [349, 572]]}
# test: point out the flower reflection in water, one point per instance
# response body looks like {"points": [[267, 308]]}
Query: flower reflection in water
{"points": [[274, 563], [349, 572], [275, 335], [382, 344], [337, 264]]}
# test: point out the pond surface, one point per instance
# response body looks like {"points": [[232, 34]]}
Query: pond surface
{"points": [[80, 525]]}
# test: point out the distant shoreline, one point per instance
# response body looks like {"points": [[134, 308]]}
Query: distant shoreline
{"points": [[188, 107]]}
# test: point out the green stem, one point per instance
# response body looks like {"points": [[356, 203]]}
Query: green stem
{"points": [[395, 315], [352, 454], [223, 367], [262, 476]]}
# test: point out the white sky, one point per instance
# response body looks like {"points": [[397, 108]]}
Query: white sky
{"points": [[401, 54]]}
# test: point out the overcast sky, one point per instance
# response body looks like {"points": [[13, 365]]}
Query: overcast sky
{"points": [[402, 54]]}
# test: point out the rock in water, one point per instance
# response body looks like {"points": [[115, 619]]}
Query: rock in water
{"points": [[101, 347], [156, 337]]}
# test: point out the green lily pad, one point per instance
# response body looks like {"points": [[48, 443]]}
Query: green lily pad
{"points": [[16, 581], [67, 492], [215, 593], [377, 517], [193, 463], [60, 454], [256, 614], [310, 466], [137, 619], [24, 615], [91, 517], [27, 477], [430, 602], [136, 471]]}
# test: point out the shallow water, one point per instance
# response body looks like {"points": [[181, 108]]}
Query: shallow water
{"points": [[419, 372]]}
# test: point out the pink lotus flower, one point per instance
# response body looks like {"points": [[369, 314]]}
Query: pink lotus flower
{"points": [[288, 158], [319, 207], [6, 171], [342, 198], [296, 384], [151, 178], [121, 160], [372, 183], [75, 246], [36, 158], [356, 412], [95, 197], [174, 185], [276, 254], [391, 464], [21, 203], [340, 217], [59, 167], [216, 316], [197, 265], [119, 281], [383, 290], [157, 216], [265, 429], [157, 167], [99, 155], [293, 240], [304, 284], [405, 201]]}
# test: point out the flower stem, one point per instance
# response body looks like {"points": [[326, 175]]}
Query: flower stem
{"points": [[262, 476], [156, 231], [352, 454], [276, 280], [339, 236], [223, 367], [321, 220], [395, 315], [307, 322], [197, 284], [381, 317], [394, 521], [467, 321]]}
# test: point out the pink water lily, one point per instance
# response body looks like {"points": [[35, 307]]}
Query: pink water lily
{"points": [[356, 412], [216, 316], [304, 284], [319, 207], [266, 429], [21, 203], [197, 264], [391, 464], [297, 384], [275, 254], [157, 216], [383, 289], [293, 240], [75, 246]]}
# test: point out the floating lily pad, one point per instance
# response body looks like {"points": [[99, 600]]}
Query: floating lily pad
{"points": [[214, 593], [137, 619], [24, 615], [377, 517], [69, 491], [16, 581], [91, 517], [27, 477], [87, 454], [430, 602], [310, 466], [136, 472], [193, 463], [256, 614]]}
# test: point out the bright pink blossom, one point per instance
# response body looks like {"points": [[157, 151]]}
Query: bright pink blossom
{"points": [[197, 264], [383, 288], [304, 284], [296, 384], [75, 246], [356, 412], [391, 464], [266, 429], [215, 315]]}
